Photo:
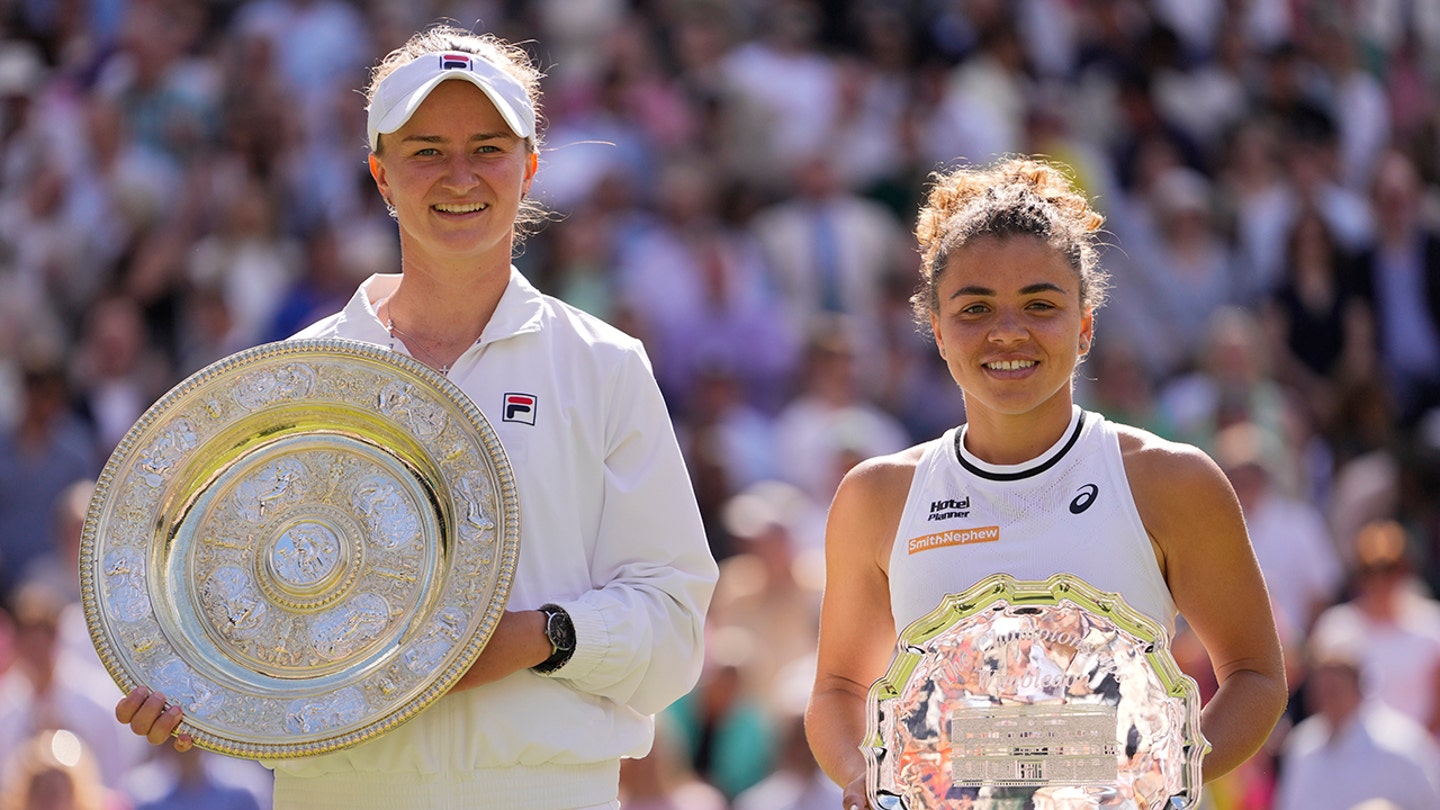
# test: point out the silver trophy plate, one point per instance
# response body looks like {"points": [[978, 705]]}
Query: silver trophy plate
{"points": [[1019, 694], [303, 545]]}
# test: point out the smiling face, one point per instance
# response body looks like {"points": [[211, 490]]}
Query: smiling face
{"points": [[455, 175], [1011, 327]]}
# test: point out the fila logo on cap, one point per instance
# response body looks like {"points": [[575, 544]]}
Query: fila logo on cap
{"points": [[455, 61], [519, 408]]}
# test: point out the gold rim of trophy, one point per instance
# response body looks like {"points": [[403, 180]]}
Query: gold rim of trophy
{"points": [[303, 545]]}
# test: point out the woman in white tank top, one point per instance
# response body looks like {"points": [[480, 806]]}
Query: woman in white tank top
{"points": [[1010, 285]]}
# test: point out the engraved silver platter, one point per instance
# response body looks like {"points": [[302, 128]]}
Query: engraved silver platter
{"points": [[1018, 694], [303, 545]]}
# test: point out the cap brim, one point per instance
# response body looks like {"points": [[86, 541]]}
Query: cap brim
{"points": [[397, 115]]}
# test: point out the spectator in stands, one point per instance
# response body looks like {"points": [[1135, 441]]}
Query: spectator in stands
{"points": [[44, 691], [1320, 328], [832, 251], [1233, 382], [1394, 623], [46, 451], [1401, 274], [1291, 540], [832, 422], [54, 770], [1354, 748], [703, 291]]}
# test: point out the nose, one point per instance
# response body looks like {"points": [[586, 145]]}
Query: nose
{"points": [[460, 174], [1008, 327]]}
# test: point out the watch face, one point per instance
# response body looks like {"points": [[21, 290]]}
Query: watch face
{"points": [[560, 630]]}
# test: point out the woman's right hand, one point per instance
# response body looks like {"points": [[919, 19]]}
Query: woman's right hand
{"points": [[147, 715]]}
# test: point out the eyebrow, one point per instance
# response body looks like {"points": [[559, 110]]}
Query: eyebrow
{"points": [[1031, 289], [479, 136]]}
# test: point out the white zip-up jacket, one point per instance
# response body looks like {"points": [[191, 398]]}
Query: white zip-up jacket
{"points": [[609, 530]]}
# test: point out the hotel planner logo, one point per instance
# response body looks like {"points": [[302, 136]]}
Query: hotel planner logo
{"points": [[948, 508]]}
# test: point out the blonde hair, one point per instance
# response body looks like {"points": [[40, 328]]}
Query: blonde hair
{"points": [[507, 56], [1010, 198]]}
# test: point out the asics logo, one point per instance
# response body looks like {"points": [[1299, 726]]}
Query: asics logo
{"points": [[1084, 499]]}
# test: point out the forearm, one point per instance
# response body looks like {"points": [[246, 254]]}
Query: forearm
{"points": [[835, 727], [1239, 719], [518, 642]]}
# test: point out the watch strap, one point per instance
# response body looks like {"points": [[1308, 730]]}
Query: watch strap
{"points": [[560, 629]]}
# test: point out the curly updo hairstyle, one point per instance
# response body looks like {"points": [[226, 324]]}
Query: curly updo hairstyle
{"points": [[1013, 197]]}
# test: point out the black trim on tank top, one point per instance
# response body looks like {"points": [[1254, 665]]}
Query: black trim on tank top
{"points": [[1036, 470]]}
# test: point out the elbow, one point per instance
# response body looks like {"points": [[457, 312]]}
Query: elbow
{"points": [[1279, 682], [1269, 692], [1279, 694], [669, 672]]}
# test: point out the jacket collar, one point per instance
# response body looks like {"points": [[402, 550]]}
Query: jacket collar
{"points": [[518, 312]]}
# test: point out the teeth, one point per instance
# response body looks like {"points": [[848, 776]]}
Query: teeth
{"points": [[1010, 365], [461, 209]]}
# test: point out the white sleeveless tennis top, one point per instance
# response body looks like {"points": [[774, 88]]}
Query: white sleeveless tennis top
{"points": [[1069, 511]]}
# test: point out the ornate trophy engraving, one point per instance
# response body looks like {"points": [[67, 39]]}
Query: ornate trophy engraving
{"points": [[303, 545], [1019, 694]]}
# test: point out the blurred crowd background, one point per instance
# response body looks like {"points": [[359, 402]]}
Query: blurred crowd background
{"points": [[735, 182]]}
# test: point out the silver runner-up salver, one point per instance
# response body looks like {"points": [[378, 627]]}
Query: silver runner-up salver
{"points": [[303, 545], [1022, 694]]}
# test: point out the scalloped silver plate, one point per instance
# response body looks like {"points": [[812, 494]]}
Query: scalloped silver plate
{"points": [[1052, 695], [303, 545]]}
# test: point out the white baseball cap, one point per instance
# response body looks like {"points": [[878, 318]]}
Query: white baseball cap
{"points": [[401, 92]]}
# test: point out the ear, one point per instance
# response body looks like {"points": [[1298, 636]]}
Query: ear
{"points": [[1087, 331], [532, 165], [377, 171], [935, 330]]}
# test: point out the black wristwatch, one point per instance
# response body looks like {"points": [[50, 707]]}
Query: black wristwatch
{"points": [[561, 632]]}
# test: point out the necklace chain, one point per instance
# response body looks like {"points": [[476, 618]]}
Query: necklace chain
{"points": [[411, 342]]}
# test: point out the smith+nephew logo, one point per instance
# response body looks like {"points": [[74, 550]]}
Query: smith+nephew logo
{"points": [[519, 408], [954, 537], [949, 508]]}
